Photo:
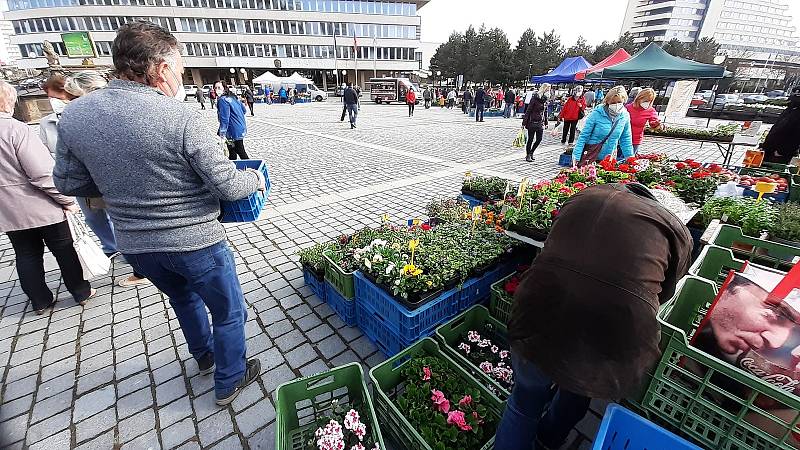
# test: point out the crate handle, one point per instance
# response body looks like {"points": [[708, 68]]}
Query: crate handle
{"points": [[319, 382], [458, 321]]}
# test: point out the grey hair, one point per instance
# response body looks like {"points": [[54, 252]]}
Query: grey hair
{"points": [[81, 83], [8, 97], [544, 88]]}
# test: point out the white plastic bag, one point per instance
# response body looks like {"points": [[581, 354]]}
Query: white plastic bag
{"points": [[93, 261]]}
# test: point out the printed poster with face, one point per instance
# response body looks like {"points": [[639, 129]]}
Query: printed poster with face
{"points": [[754, 324]]}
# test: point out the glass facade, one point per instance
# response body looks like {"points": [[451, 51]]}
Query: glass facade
{"points": [[340, 6]]}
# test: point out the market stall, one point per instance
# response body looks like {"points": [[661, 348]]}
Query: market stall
{"points": [[565, 72], [619, 56]]}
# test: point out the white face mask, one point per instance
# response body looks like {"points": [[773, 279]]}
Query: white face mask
{"points": [[616, 107], [219, 92], [58, 105], [645, 105]]}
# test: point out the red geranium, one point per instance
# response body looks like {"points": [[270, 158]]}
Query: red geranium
{"points": [[426, 227], [700, 174], [579, 186], [681, 166], [554, 213], [695, 165], [511, 285], [715, 168]]}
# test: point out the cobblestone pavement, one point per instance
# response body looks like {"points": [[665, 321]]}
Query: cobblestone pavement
{"points": [[117, 373]]}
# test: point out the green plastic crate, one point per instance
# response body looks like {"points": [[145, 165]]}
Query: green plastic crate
{"points": [[714, 264], [759, 251], [341, 280], [387, 384], [687, 388], [794, 189], [299, 403], [499, 306], [474, 318]]}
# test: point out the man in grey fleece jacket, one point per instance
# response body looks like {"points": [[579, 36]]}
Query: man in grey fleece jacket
{"points": [[162, 174]]}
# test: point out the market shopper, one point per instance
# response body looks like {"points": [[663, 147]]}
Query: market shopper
{"points": [[480, 103], [212, 97], [426, 96], [61, 91], [250, 99], [609, 125], [510, 98], [162, 176], [350, 99], [468, 96], [573, 110], [411, 100], [589, 98], [642, 113], [232, 125], [580, 323], [34, 211], [451, 98], [200, 97], [535, 120], [783, 141]]}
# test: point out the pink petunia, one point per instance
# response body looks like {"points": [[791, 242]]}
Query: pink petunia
{"points": [[426, 373], [466, 401], [457, 418], [473, 336], [486, 367], [442, 404], [503, 354]]}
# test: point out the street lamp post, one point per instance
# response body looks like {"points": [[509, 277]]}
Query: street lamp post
{"points": [[530, 67], [439, 75]]}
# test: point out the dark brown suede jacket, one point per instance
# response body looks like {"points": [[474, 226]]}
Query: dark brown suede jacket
{"points": [[585, 312]]}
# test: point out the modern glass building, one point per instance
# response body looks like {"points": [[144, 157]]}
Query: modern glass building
{"points": [[247, 37]]}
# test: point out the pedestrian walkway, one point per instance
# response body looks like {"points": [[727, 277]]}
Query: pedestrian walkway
{"points": [[117, 373]]}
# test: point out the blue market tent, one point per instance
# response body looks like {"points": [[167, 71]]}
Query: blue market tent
{"points": [[565, 72]]}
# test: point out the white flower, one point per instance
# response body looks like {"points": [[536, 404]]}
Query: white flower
{"points": [[367, 263], [473, 336], [390, 268], [484, 343], [465, 347], [503, 354], [494, 349], [397, 282], [377, 258]]}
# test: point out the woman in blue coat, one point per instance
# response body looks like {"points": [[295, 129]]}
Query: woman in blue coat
{"points": [[232, 125], [611, 123]]}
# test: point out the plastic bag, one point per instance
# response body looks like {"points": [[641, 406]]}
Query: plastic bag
{"points": [[93, 261], [520, 140]]}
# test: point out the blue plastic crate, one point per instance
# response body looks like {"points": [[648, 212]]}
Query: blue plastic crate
{"points": [[474, 290], [344, 308], [371, 324], [778, 197], [625, 430], [473, 202], [409, 325], [565, 160], [317, 285], [247, 209]]}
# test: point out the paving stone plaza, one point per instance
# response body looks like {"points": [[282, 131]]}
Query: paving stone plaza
{"points": [[117, 373]]}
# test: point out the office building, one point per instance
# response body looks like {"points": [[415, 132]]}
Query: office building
{"points": [[318, 38], [755, 29]]}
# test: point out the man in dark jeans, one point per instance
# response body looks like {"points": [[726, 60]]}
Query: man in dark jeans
{"points": [[480, 104], [582, 324], [162, 185], [351, 104]]}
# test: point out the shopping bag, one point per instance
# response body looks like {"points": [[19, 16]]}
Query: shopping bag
{"points": [[93, 261], [520, 140]]}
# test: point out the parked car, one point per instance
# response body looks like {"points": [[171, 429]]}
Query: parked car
{"points": [[755, 98], [727, 99], [190, 90], [775, 93], [698, 100], [207, 89]]}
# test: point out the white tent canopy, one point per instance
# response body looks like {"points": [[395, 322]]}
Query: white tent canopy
{"points": [[267, 78], [297, 79]]}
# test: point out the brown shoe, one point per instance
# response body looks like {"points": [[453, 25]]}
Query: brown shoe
{"points": [[91, 294]]}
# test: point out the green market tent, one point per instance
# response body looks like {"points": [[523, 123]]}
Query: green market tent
{"points": [[652, 62]]}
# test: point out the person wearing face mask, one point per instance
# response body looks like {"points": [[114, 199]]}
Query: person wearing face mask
{"points": [[63, 90], [535, 119], [162, 176], [783, 140], [232, 125], [607, 128], [642, 113], [573, 111]]}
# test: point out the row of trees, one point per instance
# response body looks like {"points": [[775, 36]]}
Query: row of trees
{"points": [[486, 54]]}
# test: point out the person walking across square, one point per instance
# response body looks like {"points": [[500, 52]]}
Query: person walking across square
{"points": [[573, 111], [162, 176], [350, 98], [480, 103]]}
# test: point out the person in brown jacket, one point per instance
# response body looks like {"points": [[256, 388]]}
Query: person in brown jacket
{"points": [[33, 211], [584, 315]]}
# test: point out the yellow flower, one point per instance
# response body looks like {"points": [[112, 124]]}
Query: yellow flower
{"points": [[412, 244], [396, 246], [430, 283], [412, 270], [416, 272]]}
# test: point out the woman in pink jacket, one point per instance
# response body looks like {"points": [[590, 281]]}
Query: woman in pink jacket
{"points": [[642, 113]]}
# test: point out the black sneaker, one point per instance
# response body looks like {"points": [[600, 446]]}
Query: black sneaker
{"points": [[251, 371], [206, 363]]}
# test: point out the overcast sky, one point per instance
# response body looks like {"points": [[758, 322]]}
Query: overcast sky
{"points": [[596, 20]]}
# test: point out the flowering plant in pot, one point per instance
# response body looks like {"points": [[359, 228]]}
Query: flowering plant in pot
{"points": [[446, 411], [311, 258], [486, 188], [489, 353], [342, 430], [690, 181], [538, 207]]}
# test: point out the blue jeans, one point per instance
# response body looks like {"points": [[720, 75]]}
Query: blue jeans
{"points": [[196, 280], [99, 222], [522, 421], [507, 110], [352, 113], [636, 149]]}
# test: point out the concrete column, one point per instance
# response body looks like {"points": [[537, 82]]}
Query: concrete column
{"points": [[197, 78]]}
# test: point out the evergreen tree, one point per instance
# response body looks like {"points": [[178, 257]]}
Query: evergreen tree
{"points": [[582, 48]]}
